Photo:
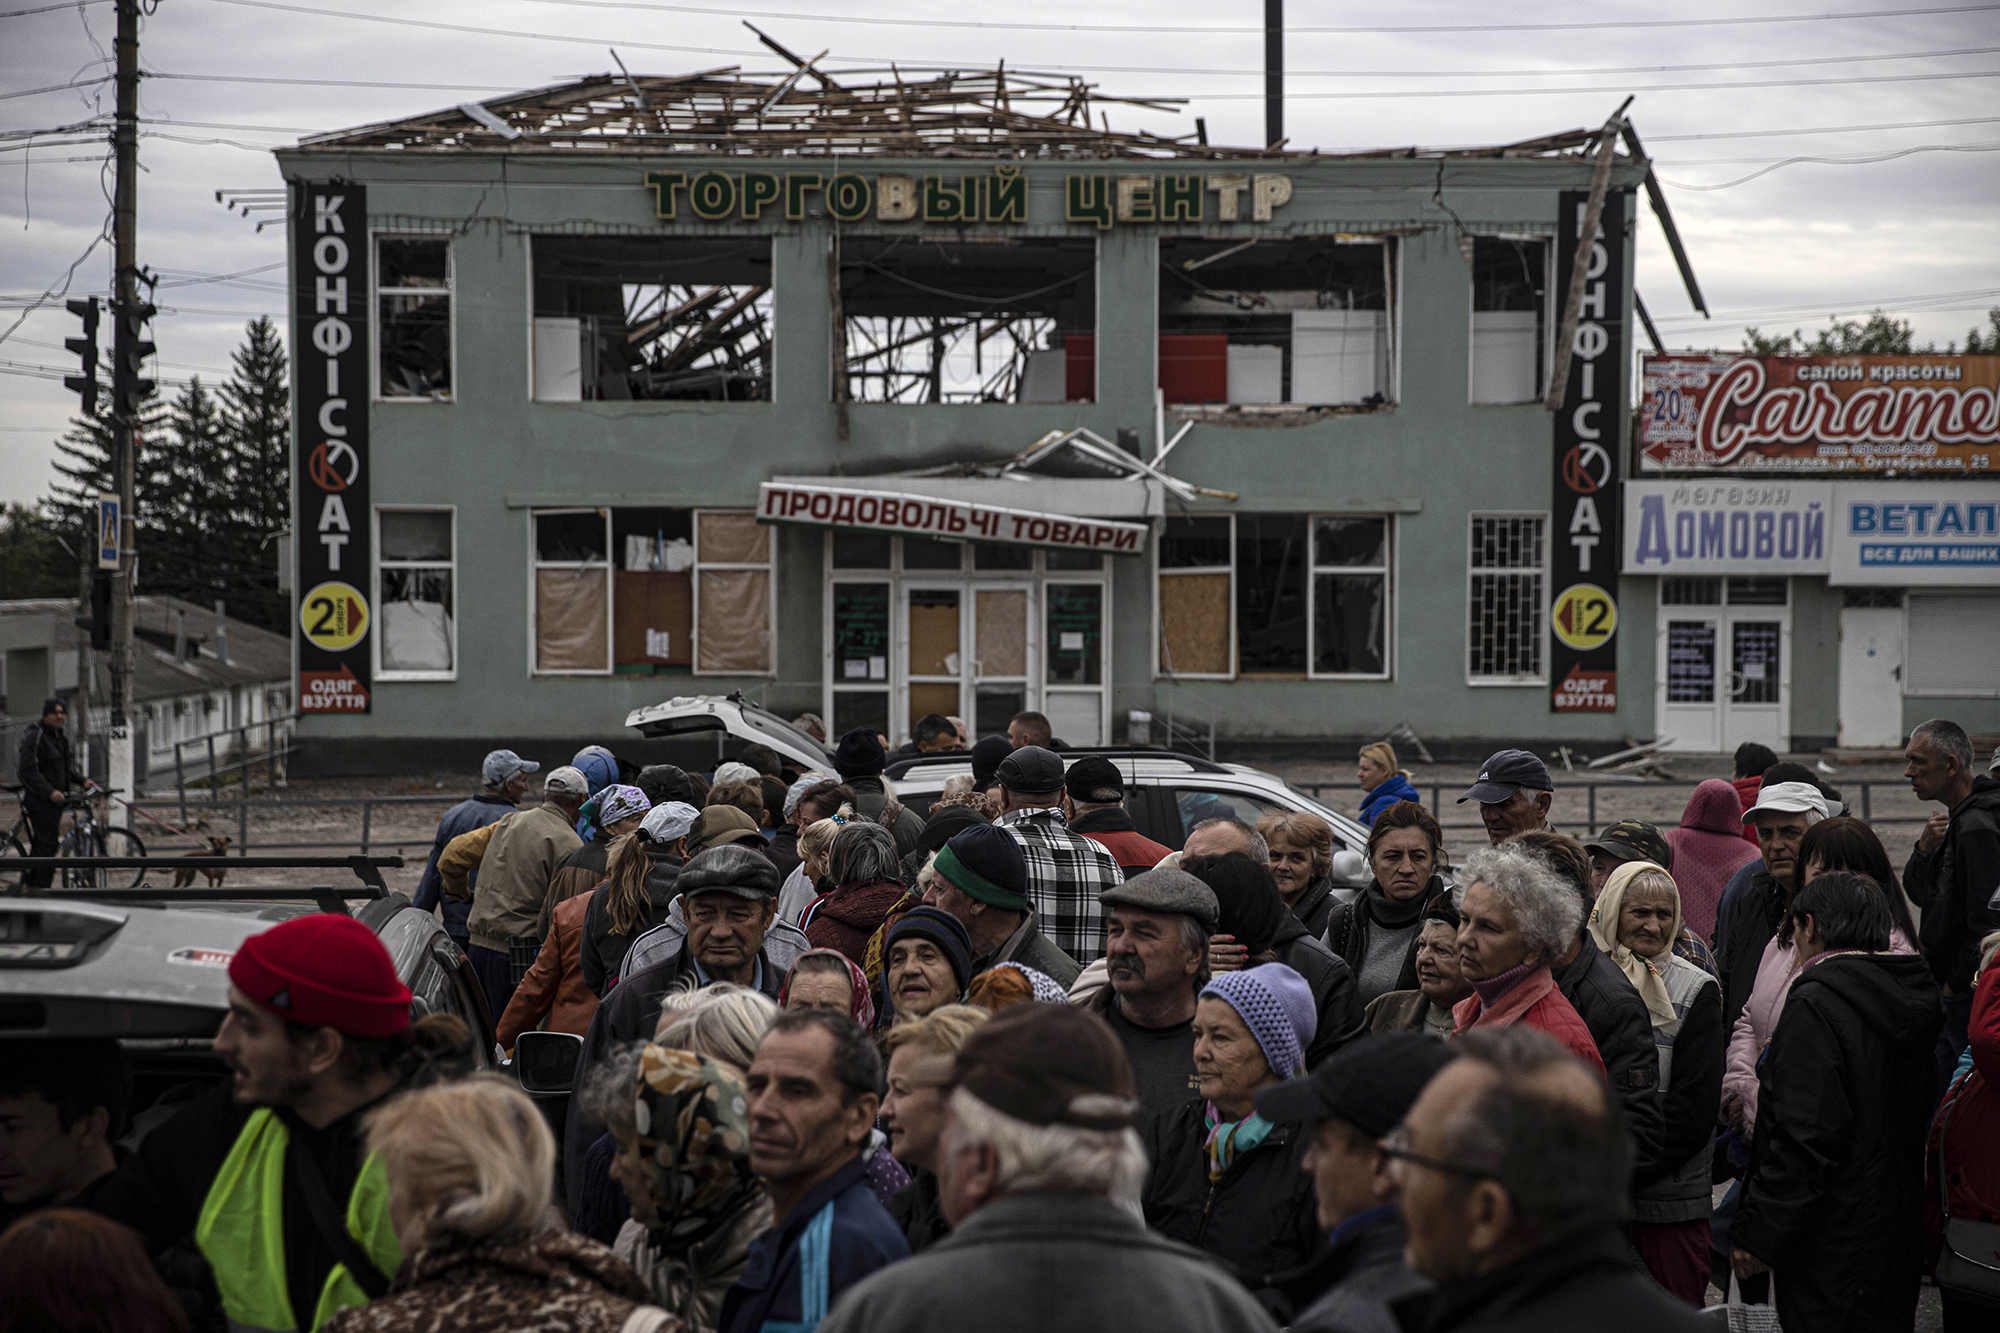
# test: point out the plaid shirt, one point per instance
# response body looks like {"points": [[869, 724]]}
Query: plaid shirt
{"points": [[1066, 872]]}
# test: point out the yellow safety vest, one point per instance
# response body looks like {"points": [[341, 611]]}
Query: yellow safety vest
{"points": [[241, 1233]]}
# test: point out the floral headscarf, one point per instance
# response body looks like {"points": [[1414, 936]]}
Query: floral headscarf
{"points": [[862, 1008], [692, 1117]]}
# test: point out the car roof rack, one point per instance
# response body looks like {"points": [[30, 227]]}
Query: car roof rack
{"points": [[367, 869], [328, 898], [1195, 763]]}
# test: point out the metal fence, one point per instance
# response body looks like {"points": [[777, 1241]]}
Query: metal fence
{"points": [[1858, 793], [196, 820], [234, 750]]}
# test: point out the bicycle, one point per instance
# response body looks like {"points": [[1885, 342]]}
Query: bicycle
{"points": [[86, 836]]}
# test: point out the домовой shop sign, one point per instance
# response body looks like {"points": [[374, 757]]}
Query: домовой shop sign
{"points": [[1820, 414]]}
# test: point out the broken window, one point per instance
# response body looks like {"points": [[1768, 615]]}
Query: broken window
{"points": [[415, 570], [572, 591], [1350, 611], [1305, 595], [630, 317], [1271, 594], [652, 600], [1001, 321], [1304, 320], [1509, 318], [413, 316]]}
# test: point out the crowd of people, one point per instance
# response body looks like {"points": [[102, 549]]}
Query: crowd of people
{"points": [[1007, 1063]]}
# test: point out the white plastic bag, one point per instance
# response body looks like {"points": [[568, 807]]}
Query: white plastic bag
{"points": [[1738, 1317]]}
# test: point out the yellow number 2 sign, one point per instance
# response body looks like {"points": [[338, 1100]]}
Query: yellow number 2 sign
{"points": [[1584, 616], [334, 616]]}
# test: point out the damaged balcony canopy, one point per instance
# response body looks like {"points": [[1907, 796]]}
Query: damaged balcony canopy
{"points": [[882, 112]]}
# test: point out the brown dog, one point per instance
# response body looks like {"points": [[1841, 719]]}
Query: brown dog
{"points": [[218, 845]]}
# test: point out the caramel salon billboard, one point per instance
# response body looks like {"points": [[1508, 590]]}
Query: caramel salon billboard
{"points": [[1814, 415]]}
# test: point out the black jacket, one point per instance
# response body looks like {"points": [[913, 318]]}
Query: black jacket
{"points": [[1315, 907], [1350, 1284], [1260, 1219], [919, 1212], [1332, 982], [783, 849], [1752, 920], [1347, 928], [1834, 1196], [46, 763], [631, 1013], [1964, 880], [601, 952], [1585, 1285], [1610, 1007]]}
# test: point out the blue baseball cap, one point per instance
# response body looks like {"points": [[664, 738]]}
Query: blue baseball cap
{"points": [[504, 764]]}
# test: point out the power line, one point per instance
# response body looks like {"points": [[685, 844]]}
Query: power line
{"points": [[58, 87], [48, 9], [1822, 129], [1290, 30], [1339, 96], [342, 83], [1835, 162]]}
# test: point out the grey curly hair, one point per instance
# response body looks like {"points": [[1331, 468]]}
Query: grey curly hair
{"points": [[1546, 911]]}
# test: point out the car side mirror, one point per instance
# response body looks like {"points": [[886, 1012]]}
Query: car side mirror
{"points": [[1349, 869], [546, 1061]]}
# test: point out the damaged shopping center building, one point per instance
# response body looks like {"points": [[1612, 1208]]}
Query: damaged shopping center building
{"points": [[884, 393]]}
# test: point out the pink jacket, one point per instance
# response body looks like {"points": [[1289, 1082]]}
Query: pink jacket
{"points": [[1708, 849], [1759, 1019]]}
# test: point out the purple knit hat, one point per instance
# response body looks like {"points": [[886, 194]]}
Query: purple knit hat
{"points": [[1276, 1004]]}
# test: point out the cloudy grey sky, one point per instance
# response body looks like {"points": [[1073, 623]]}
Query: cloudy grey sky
{"points": [[1719, 99]]}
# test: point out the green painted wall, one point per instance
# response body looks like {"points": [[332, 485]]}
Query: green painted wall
{"points": [[493, 453]]}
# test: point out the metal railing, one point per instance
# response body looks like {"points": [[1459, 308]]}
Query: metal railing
{"points": [[268, 742], [240, 812], [1859, 793], [1188, 719]]}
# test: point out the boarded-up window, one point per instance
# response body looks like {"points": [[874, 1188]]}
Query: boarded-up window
{"points": [[573, 591], [1194, 589], [733, 595]]}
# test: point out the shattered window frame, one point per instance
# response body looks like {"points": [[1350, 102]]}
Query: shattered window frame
{"points": [[388, 388], [404, 572], [1495, 291], [1332, 570], [1202, 293], [707, 319], [994, 348]]}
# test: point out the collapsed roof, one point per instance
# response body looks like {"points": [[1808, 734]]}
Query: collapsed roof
{"points": [[996, 113]]}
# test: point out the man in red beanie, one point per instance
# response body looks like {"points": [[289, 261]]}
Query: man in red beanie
{"points": [[268, 1171]]}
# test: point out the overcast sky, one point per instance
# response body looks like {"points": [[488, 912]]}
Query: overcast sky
{"points": [[1718, 100]]}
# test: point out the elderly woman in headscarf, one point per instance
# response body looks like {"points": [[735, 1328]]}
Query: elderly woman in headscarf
{"points": [[684, 1161], [1636, 920], [1225, 1179], [829, 979]]}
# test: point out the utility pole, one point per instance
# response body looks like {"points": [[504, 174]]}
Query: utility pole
{"points": [[1274, 72], [128, 390]]}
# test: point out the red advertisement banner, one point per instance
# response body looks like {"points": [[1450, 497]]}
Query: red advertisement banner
{"points": [[1704, 412]]}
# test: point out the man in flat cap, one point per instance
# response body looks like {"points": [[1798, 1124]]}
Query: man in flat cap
{"points": [[1039, 1169], [1066, 871], [1160, 922]]}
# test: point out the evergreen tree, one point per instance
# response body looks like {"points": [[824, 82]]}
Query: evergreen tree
{"points": [[83, 468], [185, 518], [257, 410], [35, 560]]}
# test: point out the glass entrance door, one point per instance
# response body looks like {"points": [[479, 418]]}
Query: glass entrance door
{"points": [[1723, 664], [934, 647], [1002, 649]]}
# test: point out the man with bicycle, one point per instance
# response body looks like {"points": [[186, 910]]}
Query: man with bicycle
{"points": [[49, 776]]}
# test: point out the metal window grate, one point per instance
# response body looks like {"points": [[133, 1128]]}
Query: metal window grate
{"points": [[1861, 599], [1505, 598], [1690, 592]]}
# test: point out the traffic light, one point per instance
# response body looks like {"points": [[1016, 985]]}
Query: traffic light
{"points": [[129, 352], [84, 385]]}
